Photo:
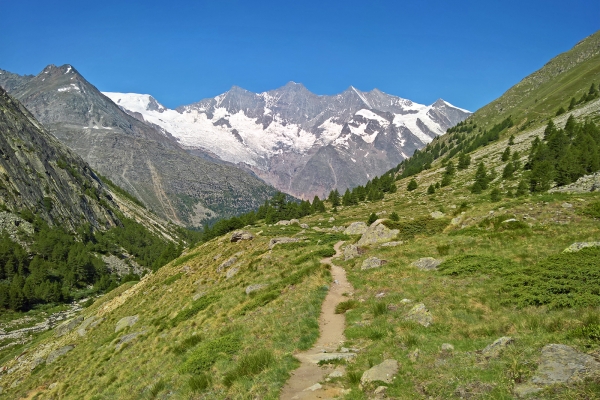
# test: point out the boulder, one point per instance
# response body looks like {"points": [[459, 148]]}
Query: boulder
{"points": [[377, 233], [89, 323], [575, 247], [384, 372], [256, 287], [283, 222], [356, 228], [372, 262], [304, 226], [238, 236], [351, 251], [331, 219], [447, 348], [227, 263], [294, 222], [560, 364], [426, 263], [56, 354], [495, 349], [126, 339], [67, 326], [275, 241], [126, 322], [231, 272], [437, 215], [420, 314]]}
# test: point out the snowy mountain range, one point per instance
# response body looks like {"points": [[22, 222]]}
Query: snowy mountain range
{"points": [[301, 143]]}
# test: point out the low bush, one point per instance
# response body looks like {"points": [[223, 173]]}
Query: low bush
{"points": [[197, 306], [471, 264], [249, 365], [345, 306], [208, 352], [424, 226]]}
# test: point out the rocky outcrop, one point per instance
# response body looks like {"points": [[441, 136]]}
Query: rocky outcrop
{"points": [[227, 263], [126, 322], [560, 364], [575, 247], [56, 354], [420, 314], [372, 262], [256, 287], [280, 240], [238, 236], [426, 263], [495, 349], [67, 326], [351, 251], [585, 184], [356, 228], [377, 233], [384, 372]]}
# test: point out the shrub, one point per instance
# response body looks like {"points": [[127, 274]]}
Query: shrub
{"points": [[249, 365], [187, 344], [372, 218], [207, 353], [443, 249], [426, 226], [471, 264], [394, 216], [412, 185], [379, 308], [200, 382], [345, 306]]}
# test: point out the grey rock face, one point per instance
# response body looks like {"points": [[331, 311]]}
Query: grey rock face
{"points": [[67, 326], [275, 241], [238, 236], [420, 314], [495, 349], [126, 322], [384, 372], [426, 263], [372, 262], [356, 228], [575, 247], [351, 251], [56, 354], [139, 157], [377, 233], [560, 364]]}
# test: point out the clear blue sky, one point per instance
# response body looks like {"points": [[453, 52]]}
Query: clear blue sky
{"points": [[466, 52]]}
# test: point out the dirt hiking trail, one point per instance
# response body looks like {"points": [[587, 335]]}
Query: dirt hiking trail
{"points": [[304, 382]]}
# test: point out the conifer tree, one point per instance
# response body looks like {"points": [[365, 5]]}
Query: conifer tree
{"points": [[412, 185]]}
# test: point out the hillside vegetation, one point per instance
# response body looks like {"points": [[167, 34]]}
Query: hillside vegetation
{"points": [[497, 243]]}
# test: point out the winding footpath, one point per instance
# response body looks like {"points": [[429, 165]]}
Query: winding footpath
{"points": [[304, 382]]}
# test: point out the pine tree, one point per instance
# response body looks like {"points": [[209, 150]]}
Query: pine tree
{"points": [[506, 154], [464, 160], [495, 195], [394, 216], [372, 218], [481, 179], [572, 104], [522, 188], [511, 140], [412, 185], [431, 189]]}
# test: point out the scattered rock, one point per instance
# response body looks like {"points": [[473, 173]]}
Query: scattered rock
{"points": [[314, 387], [351, 251], [331, 220], [126, 322], [283, 222], [420, 314], [406, 301], [447, 348], [294, 222], [336, 374], [280, 240], [426, 263], [337, 229], [392, 244], [256, 287], [372, 262], [380, 391], [90, 322], [567, 205], [37, 361], [356, 228], [215, 258], [56, 354], [52, 386], [126, 339], [575, 247], [560, 364], [383, 372], [495, 349], [414, 355], [377, 233], [304, 226], [241, 235], [437, 215], [507, 221], [67, 326], [231, 272], [227, 263]]}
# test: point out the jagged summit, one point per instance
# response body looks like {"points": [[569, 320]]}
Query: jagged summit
{"points": [[302, 143]]}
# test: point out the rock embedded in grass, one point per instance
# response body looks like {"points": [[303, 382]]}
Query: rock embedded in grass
{"points": [[67, 326], [437, 215], [256, 287], [420, 314], [560, 364], [495, 349], [575, 247], [280, 240], [356, 228], [56, 354], [384, 372], [426, 263], [238, 236], [351, 251], [372, 262], [377, 233], [126, 322]]}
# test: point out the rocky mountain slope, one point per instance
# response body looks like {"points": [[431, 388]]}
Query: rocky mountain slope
{"points": [[299, 142], [456, 294], [138, 157], [41, 176]]}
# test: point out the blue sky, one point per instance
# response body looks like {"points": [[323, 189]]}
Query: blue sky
{"points": [[466, 52]]}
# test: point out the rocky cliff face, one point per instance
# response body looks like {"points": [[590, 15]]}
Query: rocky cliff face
{"points": [[139, 157], [299, 142], [40, 175]]}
